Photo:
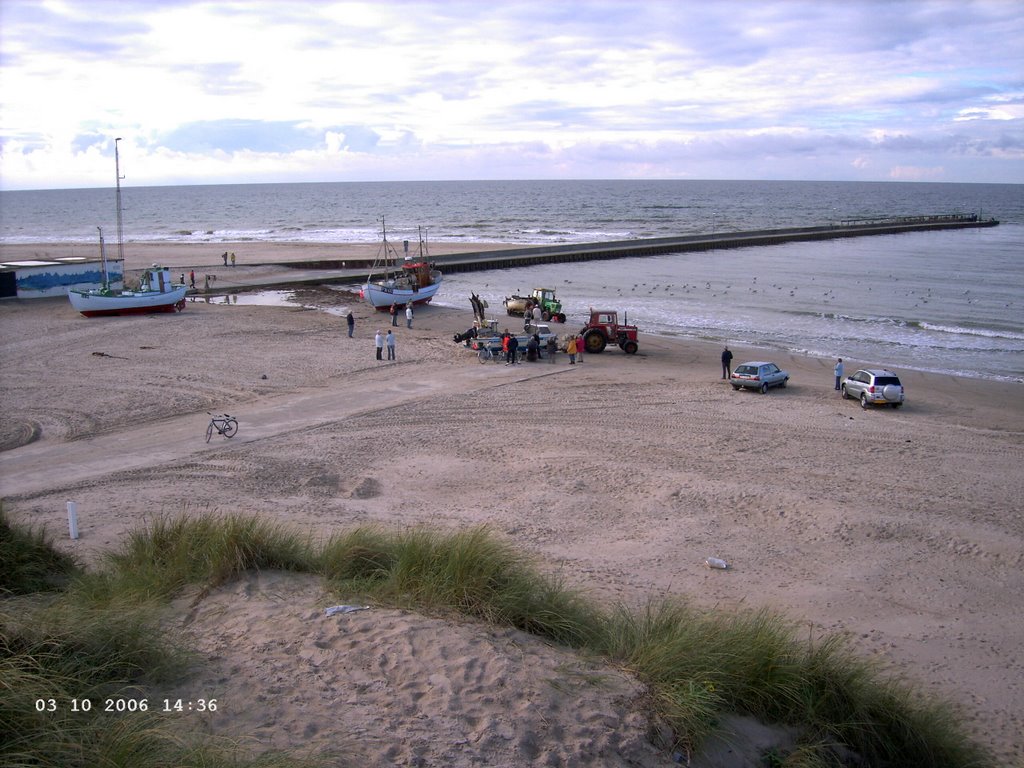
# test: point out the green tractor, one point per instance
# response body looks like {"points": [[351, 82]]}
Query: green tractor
{"points": [[550, 307]]}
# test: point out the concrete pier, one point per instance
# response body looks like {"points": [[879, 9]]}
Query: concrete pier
{"points": [[505, 258]]}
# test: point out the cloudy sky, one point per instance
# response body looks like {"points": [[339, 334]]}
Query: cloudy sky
{"points": [[224, 92]]}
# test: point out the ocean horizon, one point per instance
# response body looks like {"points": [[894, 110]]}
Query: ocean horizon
{"points": [[519, 212]]}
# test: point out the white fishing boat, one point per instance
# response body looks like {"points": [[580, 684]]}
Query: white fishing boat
{"points": [[409, 281], [156, 292]]}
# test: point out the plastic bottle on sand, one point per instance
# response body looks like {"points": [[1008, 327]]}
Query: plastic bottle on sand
{"points": [[715, 562]]}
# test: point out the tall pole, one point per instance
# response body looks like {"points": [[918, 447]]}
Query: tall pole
{"points": [[103, 259], [120, 218]]}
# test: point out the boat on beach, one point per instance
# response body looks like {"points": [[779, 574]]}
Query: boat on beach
{"points": [[415, 281], [156, 292]]}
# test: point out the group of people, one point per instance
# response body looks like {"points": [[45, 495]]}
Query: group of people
{"points": [[509, 341], [510, 348], [531, 314], [380, 342], [408, 314], [192, 272]]}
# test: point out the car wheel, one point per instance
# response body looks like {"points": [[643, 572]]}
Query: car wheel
{"points": [[764, 388], [896, 405], [846, 395], [864, 402], [735, 387], [782, 384]]}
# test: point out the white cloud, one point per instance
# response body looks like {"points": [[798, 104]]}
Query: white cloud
{"points": [[912, 173], [265, 91]]}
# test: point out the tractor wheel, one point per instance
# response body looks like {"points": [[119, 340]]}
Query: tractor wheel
{"points": [[595, 342], [630, 347], [561, 317]]}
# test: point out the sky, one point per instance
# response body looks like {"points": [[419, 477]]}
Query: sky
{"points": [[239, 92]]}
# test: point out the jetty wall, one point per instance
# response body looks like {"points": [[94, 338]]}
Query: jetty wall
{"points": [[504, 258], [616, 249]]}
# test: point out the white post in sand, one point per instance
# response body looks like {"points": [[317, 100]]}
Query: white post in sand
{"points": [[73, 519]]}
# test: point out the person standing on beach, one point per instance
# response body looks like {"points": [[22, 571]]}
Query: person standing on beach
{"points": [[378, 342], [232, 258], [351, 322], [408, 315], [726, 363], [513, 350], [571, 350], [192, 278], [579, 347], [391, 345], [839, 373], [394, 314], [225, 257]]}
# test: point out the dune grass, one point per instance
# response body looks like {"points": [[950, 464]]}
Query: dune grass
{"points": [[698, 665], [30, 564], [470, 572]]}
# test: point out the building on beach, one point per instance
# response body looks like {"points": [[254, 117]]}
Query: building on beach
{"points": [[41, 278]]}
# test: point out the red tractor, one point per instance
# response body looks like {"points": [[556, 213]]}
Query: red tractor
{"points": [[604, 329]]}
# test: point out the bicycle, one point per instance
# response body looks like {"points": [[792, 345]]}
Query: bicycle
{"points": [[224, 424]]}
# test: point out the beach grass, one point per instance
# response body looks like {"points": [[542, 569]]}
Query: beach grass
{"points": [[470, 572], [30, 563], [98, 635], [701, 663]]}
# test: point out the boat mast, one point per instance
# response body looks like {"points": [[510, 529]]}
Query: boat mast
{"points": [[103, 259], [120, 218], [424, 251], [387, 252]]}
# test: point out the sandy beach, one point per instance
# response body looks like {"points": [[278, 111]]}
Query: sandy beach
{"points": [[902, 528]]}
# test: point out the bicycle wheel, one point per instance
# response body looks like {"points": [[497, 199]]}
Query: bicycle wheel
{"points": [[209, 431], [230, 427]]}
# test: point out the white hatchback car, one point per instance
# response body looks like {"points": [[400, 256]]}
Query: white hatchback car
{"points": [[758, 375]]}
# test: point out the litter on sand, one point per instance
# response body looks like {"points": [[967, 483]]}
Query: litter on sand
{"points": [[344, 609], [716, 562]]}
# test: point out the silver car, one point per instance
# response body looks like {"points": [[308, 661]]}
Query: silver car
{"points": [[758, 375], [874, 387]]}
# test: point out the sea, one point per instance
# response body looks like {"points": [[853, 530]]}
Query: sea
{"points": [[945, 302]]}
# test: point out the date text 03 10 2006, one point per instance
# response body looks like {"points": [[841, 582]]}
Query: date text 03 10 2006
{"points": [[115, 705]]}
